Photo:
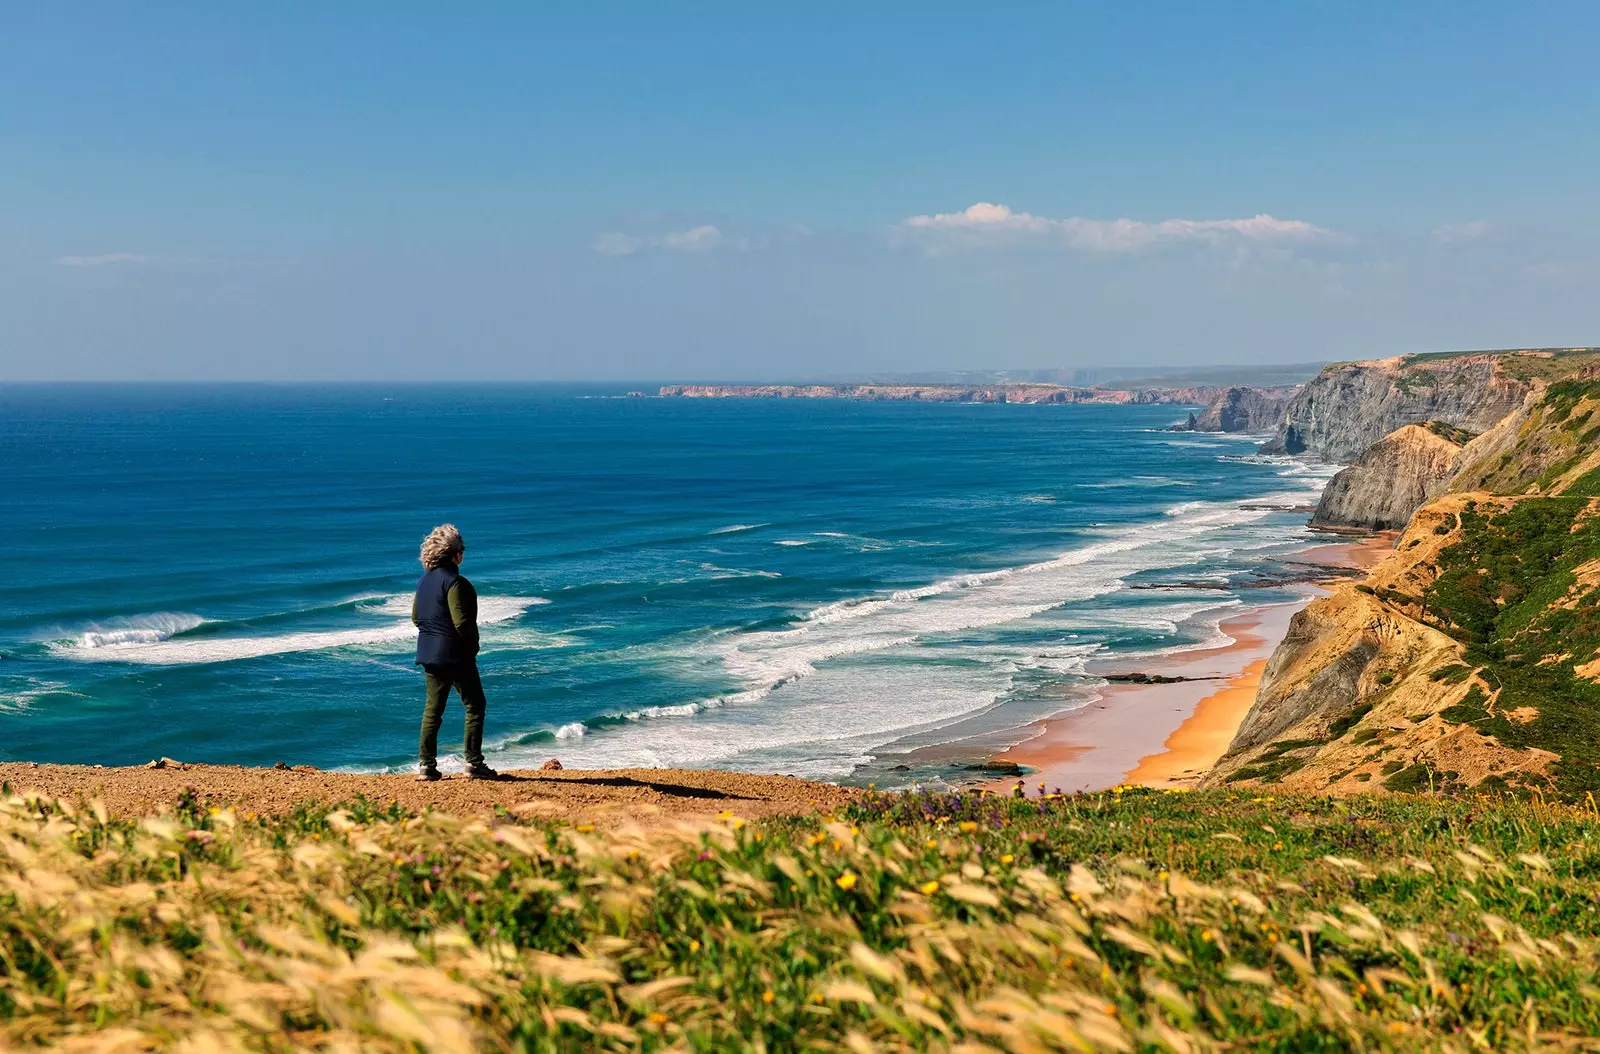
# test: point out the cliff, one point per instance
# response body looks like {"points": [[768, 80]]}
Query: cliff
{"points": [[943, 393], [1470, 657], [1350, 406], [1243, 409], [1395, 477], [1550, 444], [1385, 684]]}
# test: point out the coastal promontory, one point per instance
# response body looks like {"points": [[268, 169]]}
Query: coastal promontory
{"points": [[1395, 477], [1350, 406]]}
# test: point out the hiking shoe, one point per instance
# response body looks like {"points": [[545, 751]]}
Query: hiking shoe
{"points": [[482, 772], [428, 776]]}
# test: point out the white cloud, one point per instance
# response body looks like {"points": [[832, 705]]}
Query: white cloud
{"points": [[1453, 233], [694, 240], [105, 258], [614, 243], [699, 239], [1117, 235]]}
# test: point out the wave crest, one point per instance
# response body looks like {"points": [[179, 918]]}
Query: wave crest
{"points": [[137, 629]]}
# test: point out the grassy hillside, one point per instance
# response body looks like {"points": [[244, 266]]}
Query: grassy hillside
{"points": [[1113, 921], [1520, 591]]}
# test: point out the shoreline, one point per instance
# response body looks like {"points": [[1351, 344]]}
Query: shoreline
{"points": [[1169, 735]]}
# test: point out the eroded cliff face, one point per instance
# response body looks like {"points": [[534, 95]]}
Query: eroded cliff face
{"points": [[1350, 406], [1362, 696], [1395, 477], [1243, 409]]}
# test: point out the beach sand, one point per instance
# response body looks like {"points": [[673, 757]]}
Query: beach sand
{"points": [[1166, 735], [633, 795]]}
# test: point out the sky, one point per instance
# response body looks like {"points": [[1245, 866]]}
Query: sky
{"points": [[735, 191]]}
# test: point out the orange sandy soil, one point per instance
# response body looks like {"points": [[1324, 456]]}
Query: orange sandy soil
{"points": [[636, 795], [1166, 735]]}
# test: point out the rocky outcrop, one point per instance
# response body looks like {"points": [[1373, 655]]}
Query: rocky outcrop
{"points": [[1361, 694], [1397, 475], [943, 393], [1243, 409], [1350, 406]]}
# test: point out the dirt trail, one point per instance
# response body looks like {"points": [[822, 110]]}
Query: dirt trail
{"points": [[633, 794]]}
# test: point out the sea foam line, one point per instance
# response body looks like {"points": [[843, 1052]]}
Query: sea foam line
{"points": [[176, 650]]}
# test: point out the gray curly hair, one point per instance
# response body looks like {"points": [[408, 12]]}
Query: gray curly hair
{"points": [[441, 544]]}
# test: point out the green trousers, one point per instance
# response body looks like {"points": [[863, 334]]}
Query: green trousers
{"points": [[463, 677]]}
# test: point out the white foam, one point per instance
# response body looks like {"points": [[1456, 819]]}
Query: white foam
{"points": [[737, 527], [181, 651], [136, 629], [400, 604], [855, 674], [13, 699], [737, 572], [793, 541]]}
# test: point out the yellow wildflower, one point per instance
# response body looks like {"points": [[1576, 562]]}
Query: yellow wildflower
{"points": [[694, 946], [930, 888], [585, 828], [1006, 858], [768, 996], [968, 826], [846, 880]]}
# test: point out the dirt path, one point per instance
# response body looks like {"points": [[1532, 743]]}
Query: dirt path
{"points": [[633, 794]]}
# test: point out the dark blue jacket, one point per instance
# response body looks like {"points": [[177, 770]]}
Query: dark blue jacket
{"points": [[446, 632]]}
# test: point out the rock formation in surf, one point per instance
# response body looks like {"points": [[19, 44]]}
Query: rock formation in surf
{"points": [[1243, 409]]}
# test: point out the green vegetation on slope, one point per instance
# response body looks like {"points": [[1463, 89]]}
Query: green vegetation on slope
{"points": [[1508, 590], [1112, 921], [1525, 364]]}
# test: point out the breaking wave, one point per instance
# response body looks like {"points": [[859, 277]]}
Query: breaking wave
{"points": [[162, 643]]}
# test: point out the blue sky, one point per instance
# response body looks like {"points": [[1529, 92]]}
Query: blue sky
{"points": [[746, 191]]}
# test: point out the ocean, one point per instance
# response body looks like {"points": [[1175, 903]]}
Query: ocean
{"points": [[816, 587]]}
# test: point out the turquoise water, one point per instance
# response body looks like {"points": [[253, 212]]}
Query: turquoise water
{"points": [[222, 574]]}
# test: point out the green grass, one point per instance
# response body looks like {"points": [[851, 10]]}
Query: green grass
{"points": [[1111, 921], [1503, 590]]}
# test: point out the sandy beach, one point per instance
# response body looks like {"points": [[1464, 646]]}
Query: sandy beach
{"points": [[1166, 735]]}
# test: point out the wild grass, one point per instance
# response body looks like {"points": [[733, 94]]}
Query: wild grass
{"points": [[1119, 921]]}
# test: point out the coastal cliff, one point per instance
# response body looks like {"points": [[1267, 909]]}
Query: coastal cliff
{"points": [[1350, 406], [1395, 477], [1470, 657], [944, 393], [1243, 409]]}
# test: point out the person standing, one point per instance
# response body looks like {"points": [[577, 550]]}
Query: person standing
{"points": [[445, 612]]}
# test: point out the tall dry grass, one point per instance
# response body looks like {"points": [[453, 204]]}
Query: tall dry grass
{"points": [[959, 925]]}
